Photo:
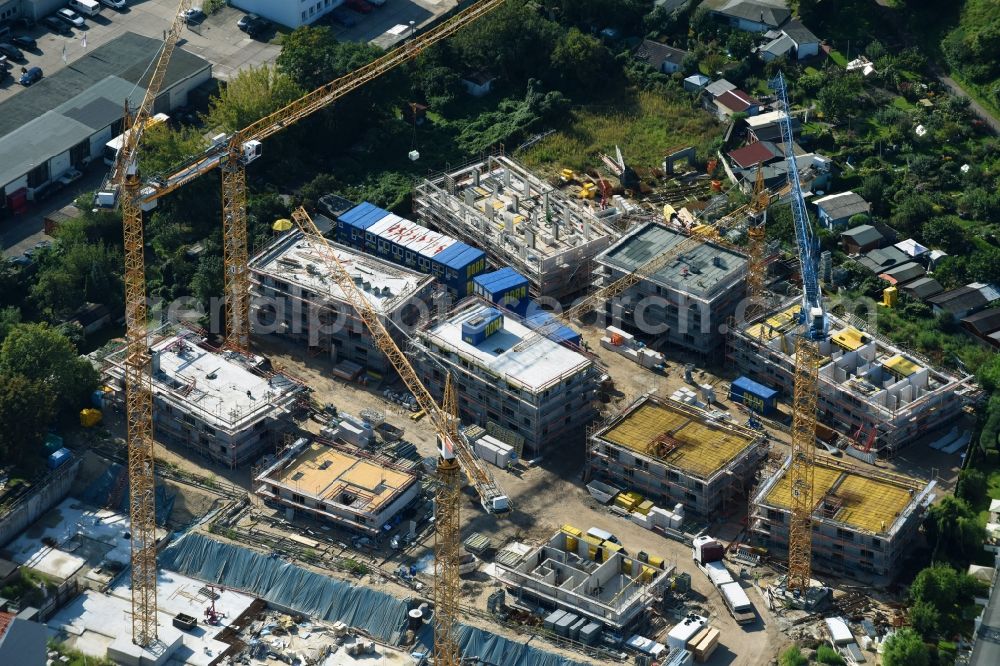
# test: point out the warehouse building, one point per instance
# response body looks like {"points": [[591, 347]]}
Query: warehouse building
{"points": [[534, 398], [521, 221], [225, 406], [685, 303], [865, 381], [337, 485], [671, 452], [864, 525], [378, 232], [296, 297], [595, 580], [64, 121]]}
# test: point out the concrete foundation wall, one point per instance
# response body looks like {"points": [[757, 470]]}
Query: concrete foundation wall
{"points": [[43, 497]]}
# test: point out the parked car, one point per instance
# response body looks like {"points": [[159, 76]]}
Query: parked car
{"points": [[193, 16], [11, 52], [32, 75], [258, 28], [246, 21], [71, 17], [114, 4], [24, 42], [69, 177], [57, 25], [359, 6]]}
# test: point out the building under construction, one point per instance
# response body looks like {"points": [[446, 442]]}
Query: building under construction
{"points": [[595, 580], [871, 391], [686, 302], [337, 485], [671, 452], [226, 406], [532, 398], [864, 523], [521, 221], [295, 296]]}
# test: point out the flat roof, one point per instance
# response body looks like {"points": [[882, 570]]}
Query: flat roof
{"points": [[681, 436], [539, 365], [65, 104], [700, 271], [301, 260], [329, 473], [866, 502]]}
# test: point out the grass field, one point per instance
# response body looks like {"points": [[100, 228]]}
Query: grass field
{"points": [[645, 127]]}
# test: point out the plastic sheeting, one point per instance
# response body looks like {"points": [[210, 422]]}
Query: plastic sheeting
{"points": [[284, 584], [377, 613], [98, 493]]}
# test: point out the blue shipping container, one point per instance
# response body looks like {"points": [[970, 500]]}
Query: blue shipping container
{"points": [[753, 395], [505, 287], [481, 325], [562, 333], [58, 458]]}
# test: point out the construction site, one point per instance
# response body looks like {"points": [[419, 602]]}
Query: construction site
{"points": [[672, 452], [521, 221], [879, 396], [514, 489], [294, 297], [224, 405]]}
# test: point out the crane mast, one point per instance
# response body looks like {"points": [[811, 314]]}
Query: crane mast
{"points": [[452, 449], [756, 247], [806, 377], [138, 387]]}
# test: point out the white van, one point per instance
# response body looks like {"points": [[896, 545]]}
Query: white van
{"points": [[603, 535], [86, 7]]}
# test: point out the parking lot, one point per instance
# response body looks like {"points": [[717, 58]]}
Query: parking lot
{"points": [[217, 39]]}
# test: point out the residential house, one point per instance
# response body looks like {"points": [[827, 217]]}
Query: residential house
{"points": [[760, 152], [903, 273], [861, 239], [749, 15], [716, 88], [662, 58], [735, 101], [922, 289], [780, 46], [479, 83], [964, 301], [884, 259], [985, 326], [696, 82], [835, 210], [92, 317], [806, 43], [767, 126]]}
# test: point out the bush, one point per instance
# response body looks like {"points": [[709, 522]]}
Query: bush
{"points": [[793, 657], [827, 655]]}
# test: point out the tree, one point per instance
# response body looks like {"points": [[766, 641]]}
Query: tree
{"points": [[911, 212], [10, 317], [27, 407], [827, 655], [580, 59], [972, 486], [250, 95], [954, 531], [943, 232], [163, 148], [925, 618], [207, 282], [82, 272], [839, 98], [905, 648], [740, 44], [40, 353], [940, 596]]}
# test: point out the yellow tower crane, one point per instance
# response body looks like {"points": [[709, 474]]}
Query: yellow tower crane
{"points": [[138, 391], [452, 449], [244, 146]]}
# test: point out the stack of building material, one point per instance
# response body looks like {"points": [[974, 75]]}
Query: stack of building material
{"points": [[685, 630], [686, 396], [704, 643], [946, 440], [354, 431], [495, 452], [628, 501], [590, 633], [625, 344], [645, 645]]}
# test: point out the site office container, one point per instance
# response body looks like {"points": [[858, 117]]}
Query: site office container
{"points": [[753, 395]]}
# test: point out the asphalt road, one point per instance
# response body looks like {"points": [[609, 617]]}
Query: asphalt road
{"points": [[976, 107]]}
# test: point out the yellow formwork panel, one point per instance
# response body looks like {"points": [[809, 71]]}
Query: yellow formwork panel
{"points": [[776, 324], [703, 449], [868, 504], [901, 366], [849, 338]]}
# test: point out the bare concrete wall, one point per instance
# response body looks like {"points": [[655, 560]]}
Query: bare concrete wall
{"points": [[49, 492]]}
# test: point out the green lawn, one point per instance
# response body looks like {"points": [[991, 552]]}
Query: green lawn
{"points": [[645, 127], [838, 58], [902, 103]]}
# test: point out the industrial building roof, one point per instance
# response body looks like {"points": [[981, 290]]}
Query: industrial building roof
{"points": [[683, 437], [699, 272], [67, 107], [338, 477], [302, 260], [866, 502], [539, 365]]}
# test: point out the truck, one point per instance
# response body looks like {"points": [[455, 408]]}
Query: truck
{"points": [[707, 554]]}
